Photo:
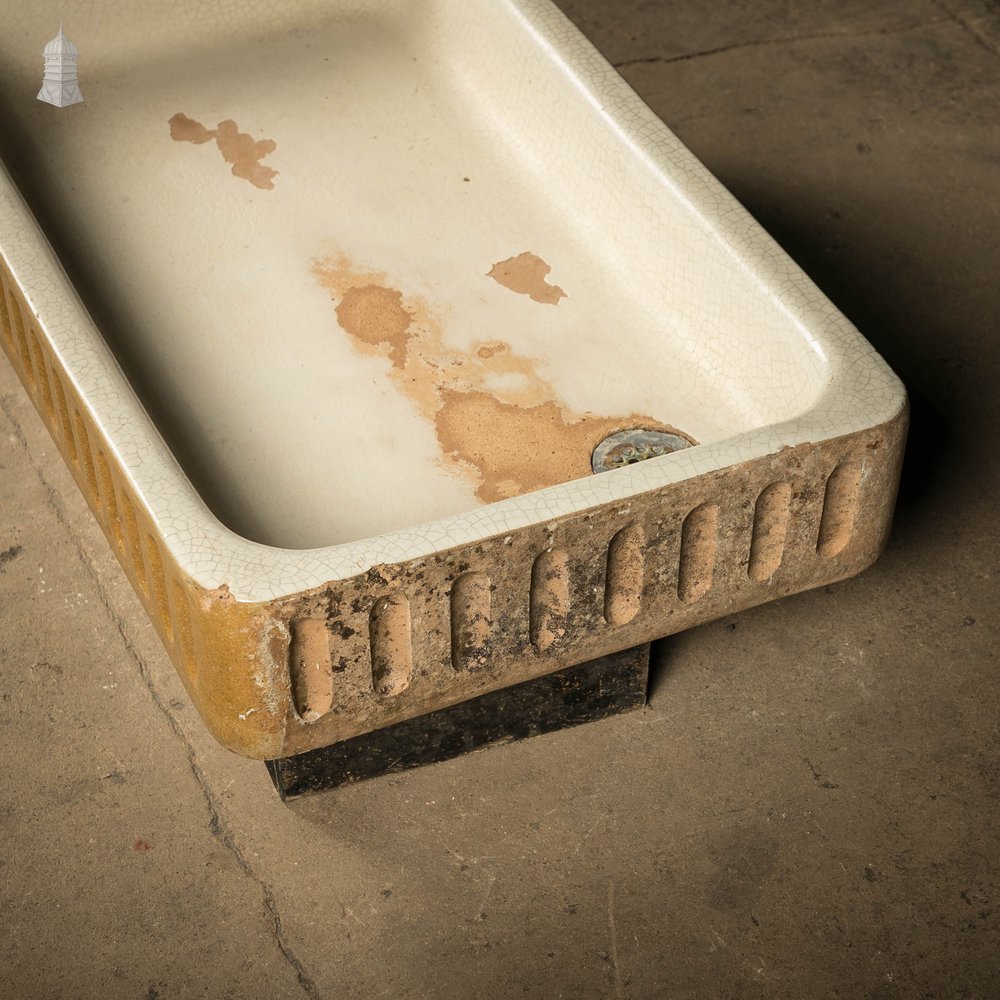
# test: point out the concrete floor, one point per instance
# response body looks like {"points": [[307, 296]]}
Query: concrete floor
{"points": [[808, 807]]}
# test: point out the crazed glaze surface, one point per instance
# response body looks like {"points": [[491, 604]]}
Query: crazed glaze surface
{"points": [[714, 329]]}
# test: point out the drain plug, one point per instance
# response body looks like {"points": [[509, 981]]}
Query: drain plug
{"points": [[628, 447]]}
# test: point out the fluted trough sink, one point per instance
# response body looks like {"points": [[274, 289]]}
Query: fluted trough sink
{"points": [[328, 305]]}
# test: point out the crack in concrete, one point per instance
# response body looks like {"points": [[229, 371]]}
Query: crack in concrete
{"points": [[983, 39], [786, 40], [215, 824], [613, 945]]}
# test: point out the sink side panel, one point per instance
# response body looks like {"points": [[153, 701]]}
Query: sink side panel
{"points": [[220, 652]]}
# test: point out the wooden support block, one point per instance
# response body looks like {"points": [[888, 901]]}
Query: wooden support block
{"points": [[584, 693]]}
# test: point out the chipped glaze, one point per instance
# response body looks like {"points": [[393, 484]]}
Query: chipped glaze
{"points": [[238, 148], [498, 420], [526, 274], [284, 333]]}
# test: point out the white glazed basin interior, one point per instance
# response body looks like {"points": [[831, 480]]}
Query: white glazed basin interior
{"points": [[413, 153]]}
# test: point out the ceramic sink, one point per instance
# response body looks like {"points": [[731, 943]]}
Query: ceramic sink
{"points": [[329, 305]]}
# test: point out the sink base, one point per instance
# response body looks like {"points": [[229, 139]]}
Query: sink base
{"points": [[584, 693]]}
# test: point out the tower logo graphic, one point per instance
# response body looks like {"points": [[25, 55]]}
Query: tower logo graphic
{"points": [[60, 86]]}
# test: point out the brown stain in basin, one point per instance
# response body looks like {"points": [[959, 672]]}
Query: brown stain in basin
{"points": [[497, 419], [240, 149], [375, 315], [517, 449], [525, 274], [489, 350], [184, 129]]}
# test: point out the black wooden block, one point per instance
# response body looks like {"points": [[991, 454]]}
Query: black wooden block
{"points": [[585, 693]]}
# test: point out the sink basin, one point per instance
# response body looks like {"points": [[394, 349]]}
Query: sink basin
{"points": [[328, 313]]}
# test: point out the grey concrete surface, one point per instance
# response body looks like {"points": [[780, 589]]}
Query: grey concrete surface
{"points": [[809, 805]]}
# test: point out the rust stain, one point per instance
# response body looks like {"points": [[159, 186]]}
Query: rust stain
{"points": [[525, 274], [238, 148], [498, 420]]}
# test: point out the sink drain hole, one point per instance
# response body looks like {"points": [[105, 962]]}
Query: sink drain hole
{"points": [[636, 445]]}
